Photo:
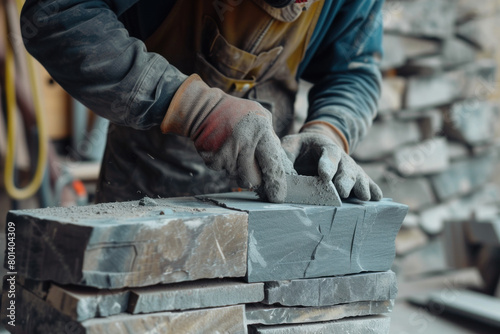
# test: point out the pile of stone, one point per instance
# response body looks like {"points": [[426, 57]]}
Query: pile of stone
{"points": [[433, 143], [224, 263]]}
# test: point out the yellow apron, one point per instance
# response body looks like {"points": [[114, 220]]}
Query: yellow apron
{"points": [[244, 47]]}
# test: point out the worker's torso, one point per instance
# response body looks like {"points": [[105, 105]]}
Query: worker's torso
{"points": [[244, 47]]}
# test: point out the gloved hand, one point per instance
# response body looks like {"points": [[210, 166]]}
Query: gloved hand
{"points": [[319, 149], [231, 134]]}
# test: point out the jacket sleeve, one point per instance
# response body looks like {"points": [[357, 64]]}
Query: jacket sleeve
{"points": [[88, 51], [344, 70]]}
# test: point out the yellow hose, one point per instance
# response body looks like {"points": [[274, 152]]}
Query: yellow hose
{"points": [[34, 185]]}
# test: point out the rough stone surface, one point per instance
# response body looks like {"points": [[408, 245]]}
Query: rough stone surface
{"points": [[427, 18], [384, 137], [328, 291], [274, 315], [194, 295], [303, 189], [459, 253], [124, 244], [471, 122], [427, 157], [81, 304], [463, 176], [303, 241], [364, 325]]}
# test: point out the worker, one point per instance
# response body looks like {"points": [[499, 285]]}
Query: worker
{"points": [[199, 90]]}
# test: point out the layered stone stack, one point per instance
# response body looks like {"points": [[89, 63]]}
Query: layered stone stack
{"points": [[432, 146], [224, 263]]}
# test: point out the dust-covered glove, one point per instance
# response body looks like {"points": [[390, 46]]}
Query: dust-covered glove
{"points": [[319, 149], [231, 134]]}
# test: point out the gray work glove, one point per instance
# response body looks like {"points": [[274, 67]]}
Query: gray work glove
{"points": [[231, 134], [319, 149]]}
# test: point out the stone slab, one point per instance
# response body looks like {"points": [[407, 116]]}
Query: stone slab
{"points": [[463, 176], [384, 137], [427, 18], [328, 291], [482, 32], [303, 241], [402, 48], [80, 303], [471, 122], [427, 157], [415, 192], [35, 316], [487, 262], [194, 295], [469, 304], [117, 245], [274, 315], [362, 325], [312, 190]]}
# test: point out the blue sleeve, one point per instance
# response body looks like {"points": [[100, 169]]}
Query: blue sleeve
{"points": [[344, 68], [88, 51]]}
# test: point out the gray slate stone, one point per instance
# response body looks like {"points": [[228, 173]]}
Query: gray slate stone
{"points": [[81, 304], [303, 189], [427, 157], [274, 315], [304, 241], [471, 122], [362, 325], [38, 317], [384, 137], [463, 176], [427, 18], [328, 291], [124, 244], [194, 295]]}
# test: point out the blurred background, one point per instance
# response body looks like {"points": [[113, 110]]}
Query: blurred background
{"points": [[433, 146]]}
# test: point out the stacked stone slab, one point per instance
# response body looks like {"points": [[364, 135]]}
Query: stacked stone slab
{"points": [[224, 263], [433, 144]]}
